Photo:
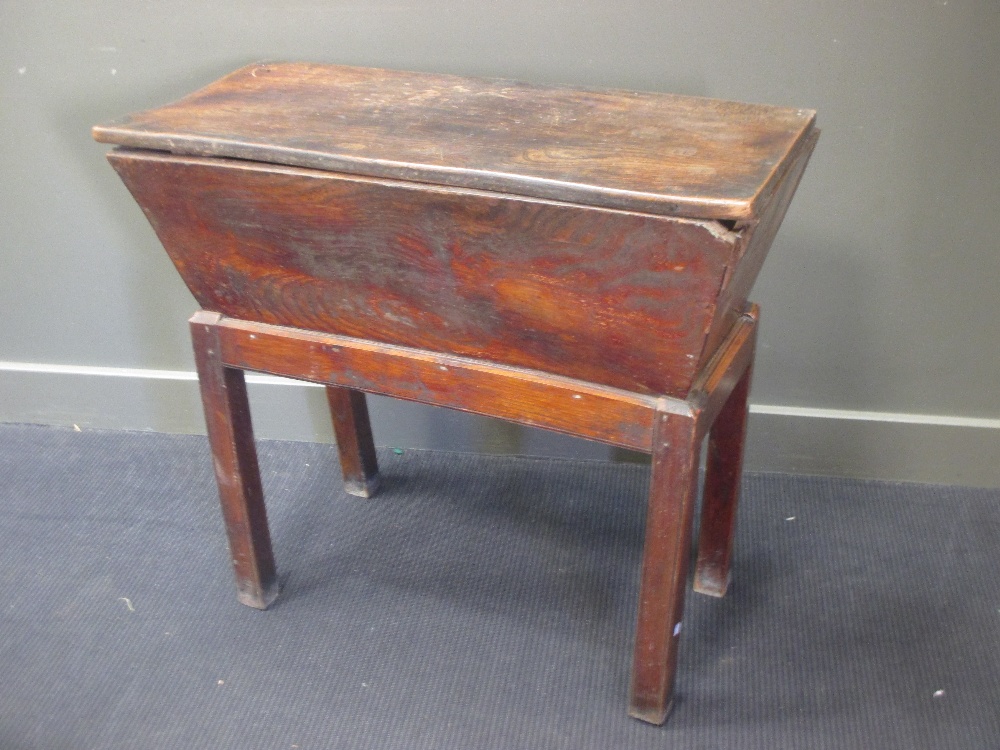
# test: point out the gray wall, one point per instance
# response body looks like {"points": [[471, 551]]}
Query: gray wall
{"points": [[878, 353]]}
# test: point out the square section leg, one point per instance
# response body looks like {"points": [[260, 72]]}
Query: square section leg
{"points": [[722, 491], [230, 433], [672, 491], [349, 411]]}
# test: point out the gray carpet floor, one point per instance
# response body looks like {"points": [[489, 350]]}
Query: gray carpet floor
{"points": [[477, 602]]}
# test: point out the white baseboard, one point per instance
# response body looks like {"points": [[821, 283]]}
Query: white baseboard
{"points": [[947, 449], [939, 420]]}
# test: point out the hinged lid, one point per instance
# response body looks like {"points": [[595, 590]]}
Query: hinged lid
{"points": [[655, 153]]}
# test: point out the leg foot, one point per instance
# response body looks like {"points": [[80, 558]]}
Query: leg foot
{"points": [[655, 716], [349, 411]]}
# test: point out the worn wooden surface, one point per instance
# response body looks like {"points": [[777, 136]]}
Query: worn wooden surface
{"points": [[528, 397], [580, 263], [605, 296], [657, 153], [743, 273]]}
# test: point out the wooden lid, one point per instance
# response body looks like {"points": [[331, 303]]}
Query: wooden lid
{"points": [[655, 153]]}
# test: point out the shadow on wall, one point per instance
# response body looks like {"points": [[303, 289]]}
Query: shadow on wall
{"points": [[818, 348]]}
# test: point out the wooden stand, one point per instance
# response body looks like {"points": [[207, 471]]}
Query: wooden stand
{"points": [[671, 430], [578, 261]]}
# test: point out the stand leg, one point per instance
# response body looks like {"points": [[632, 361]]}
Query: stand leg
{"points": [[353, 430], [722, 491], [230, 433], [672, 492]]}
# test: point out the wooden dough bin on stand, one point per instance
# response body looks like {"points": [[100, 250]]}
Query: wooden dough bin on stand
{"points": [[573, 260]]}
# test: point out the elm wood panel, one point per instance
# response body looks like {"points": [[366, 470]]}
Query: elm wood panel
{"points": [[532, 398], [658, 153], [755, 244], [604, 296], [234, 456]]}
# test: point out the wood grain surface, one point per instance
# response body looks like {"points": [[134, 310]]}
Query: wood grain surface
{"points": [[528, 397], [756, 243], [610, 297], [656, 153]]}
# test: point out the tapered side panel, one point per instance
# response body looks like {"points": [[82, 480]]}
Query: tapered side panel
{"points": [[604, 296], [745, 268]]}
